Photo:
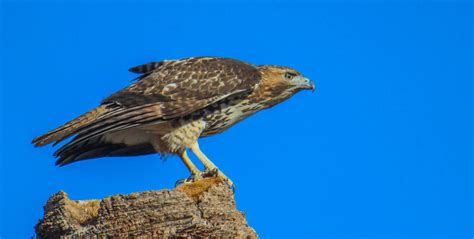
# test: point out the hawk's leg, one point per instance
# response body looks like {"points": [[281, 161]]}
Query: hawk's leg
{"points": [[211, 168], [195, 172], [189, 164]]}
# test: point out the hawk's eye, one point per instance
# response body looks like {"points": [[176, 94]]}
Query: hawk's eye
{"points": [[289, 75]]}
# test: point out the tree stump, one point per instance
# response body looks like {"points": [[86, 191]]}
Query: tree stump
{"points": [[203, 209]]}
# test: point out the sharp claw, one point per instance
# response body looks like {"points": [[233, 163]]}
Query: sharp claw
{"points": [[210, 172], [231, 186], [179, 182], [190, 179], [226, 180], [213, 172]]}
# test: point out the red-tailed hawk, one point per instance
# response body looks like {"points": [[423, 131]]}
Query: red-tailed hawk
{"points": [[172, 104]]}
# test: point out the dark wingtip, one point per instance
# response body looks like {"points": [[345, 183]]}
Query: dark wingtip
{"points": [[61, 162], [145, 68], [34, 143]]}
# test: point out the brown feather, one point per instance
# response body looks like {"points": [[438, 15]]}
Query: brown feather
{"points": [[70, 127], [141, 115]]}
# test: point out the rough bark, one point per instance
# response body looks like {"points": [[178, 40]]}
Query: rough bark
{"points": [[204, 209]]}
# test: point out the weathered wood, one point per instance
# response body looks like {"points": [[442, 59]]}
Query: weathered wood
{"points": [[204, 209]]}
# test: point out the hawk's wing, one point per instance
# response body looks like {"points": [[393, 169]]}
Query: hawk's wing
{"points": [[187, 79], [167, 90]]}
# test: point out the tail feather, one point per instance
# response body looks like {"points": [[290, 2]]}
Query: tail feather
{"points": [[70, 127], [118, 120], [96, 148]]}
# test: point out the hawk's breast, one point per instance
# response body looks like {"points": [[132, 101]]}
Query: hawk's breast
{"points": [[223, 115]]}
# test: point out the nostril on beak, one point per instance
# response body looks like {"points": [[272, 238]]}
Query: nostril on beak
{"points": [[307, 84]]}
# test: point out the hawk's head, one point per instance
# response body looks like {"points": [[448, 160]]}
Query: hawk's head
{"points": [[282, 78], [280, 83]]}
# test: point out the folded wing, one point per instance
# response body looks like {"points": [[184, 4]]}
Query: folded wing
{"points": [[168, 90]]}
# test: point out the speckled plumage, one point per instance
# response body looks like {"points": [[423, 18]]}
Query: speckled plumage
{"points": [[173, 103]]}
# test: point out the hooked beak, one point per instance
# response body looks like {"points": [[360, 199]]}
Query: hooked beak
{"points": [[305, 83]]}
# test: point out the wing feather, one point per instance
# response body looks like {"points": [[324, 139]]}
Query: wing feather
{"points": [[150, 114]]}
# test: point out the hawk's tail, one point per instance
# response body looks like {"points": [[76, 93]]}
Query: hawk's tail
{"points": [[96, 148], [70, 127]]}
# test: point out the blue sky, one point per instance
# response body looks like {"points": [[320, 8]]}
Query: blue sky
{"points": [[382, 149]]}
